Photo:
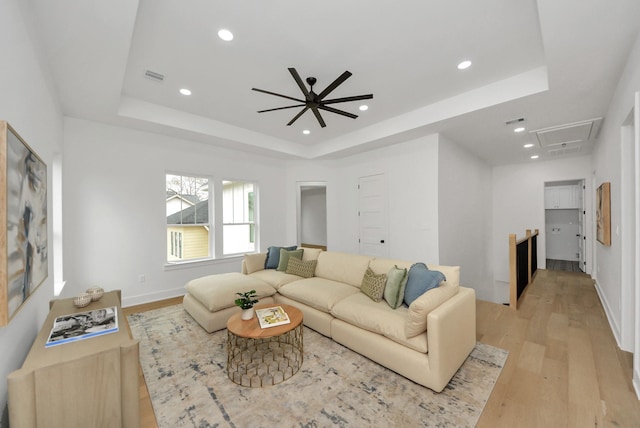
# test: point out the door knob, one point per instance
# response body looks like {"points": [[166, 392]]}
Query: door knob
{"points": [[382, 241]]}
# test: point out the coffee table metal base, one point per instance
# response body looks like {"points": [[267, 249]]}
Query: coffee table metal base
{"points": [[264, 361]]}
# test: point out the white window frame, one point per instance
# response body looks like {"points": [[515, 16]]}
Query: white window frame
{"points": [[215, 225], [208, 225], [249, 223]]}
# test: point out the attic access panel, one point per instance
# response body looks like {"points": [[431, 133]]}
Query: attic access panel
{"points": [[573, 133]]}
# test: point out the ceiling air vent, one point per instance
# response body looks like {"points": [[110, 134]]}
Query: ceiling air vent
{"points": [[514, 121], [154, 76], [565, 149]]}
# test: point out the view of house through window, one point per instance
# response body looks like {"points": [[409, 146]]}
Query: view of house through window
{"points": [[188, 220], [238, 217], [190, 227]]}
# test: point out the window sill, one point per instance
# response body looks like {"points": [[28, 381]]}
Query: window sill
{"points": [[200, 263]]}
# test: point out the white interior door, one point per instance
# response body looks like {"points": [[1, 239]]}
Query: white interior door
{"points": [[372, 215]]}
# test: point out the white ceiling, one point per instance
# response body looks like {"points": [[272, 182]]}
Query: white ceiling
{"points": [[551, 62]]}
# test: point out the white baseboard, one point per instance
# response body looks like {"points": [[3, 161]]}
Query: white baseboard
{"points": [[152, 297], [636, 381], [615, 328]]}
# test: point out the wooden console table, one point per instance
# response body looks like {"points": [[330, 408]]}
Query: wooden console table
{"points": [[87, 383]]}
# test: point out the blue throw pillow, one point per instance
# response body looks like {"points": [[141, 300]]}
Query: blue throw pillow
{"points": [[421, 280], [273, 256]]}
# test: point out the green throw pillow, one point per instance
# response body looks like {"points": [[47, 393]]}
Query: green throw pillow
{"points": [[394, 289], [373, 285], [284, 258], [305, 269]]}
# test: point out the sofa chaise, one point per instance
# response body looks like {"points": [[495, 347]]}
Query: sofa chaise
{"points": [[426, 341]]}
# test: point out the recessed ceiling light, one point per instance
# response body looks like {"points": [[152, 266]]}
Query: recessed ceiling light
{"points": [[185, 91], [306, 132], [535, 157], [225, 35], [364, 107], [519, 129], [464, 65], [528, 145]]}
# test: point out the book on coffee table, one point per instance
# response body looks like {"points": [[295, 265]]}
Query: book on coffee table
{"points": [[271, 317]]}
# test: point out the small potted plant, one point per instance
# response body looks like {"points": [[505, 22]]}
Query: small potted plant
{"points": [[246, 302]]}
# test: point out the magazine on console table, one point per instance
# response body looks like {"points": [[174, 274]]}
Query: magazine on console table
{"points": [[83, 325], [271, 317]]}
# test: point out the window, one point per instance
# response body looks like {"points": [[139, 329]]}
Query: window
{"points": [[188, 222], [238, 217], [176, 244], [192, 227]]}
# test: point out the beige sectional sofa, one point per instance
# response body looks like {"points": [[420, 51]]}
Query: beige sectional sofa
{"points": [[441, 322]]}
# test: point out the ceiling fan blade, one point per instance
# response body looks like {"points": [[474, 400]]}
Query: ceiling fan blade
{"points": [[346, 99], [280, 108], [277, 95], [317, 114], [341, 112], [297, 116], [344, 76], [298, 80]]}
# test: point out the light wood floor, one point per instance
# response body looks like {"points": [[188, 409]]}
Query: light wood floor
{"points": [[564, 367]]}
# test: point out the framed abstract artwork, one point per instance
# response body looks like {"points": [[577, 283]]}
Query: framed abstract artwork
{"points": [[23, 222], [603, 214]]}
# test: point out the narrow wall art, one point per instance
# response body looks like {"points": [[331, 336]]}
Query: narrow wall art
{"points": [[603, 214], [23, 222]]}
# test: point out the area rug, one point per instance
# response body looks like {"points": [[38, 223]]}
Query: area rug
{"points": [[185, 371]]}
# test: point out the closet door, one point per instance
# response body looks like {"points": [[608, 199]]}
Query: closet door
{"points": [[372, 215]]}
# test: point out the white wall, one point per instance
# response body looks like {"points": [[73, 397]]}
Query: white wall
{"points": [[606, 166], [114, 207], [464, 205], [411, 170], [518, 204], [29, 104]]}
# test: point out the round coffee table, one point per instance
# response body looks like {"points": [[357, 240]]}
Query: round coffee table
{"points": [[258, 356]]}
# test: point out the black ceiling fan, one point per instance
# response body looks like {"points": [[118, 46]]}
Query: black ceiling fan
{"points": [[314, 101]]}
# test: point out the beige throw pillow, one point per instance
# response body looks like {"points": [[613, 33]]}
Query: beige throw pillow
{"points": [[254, 262]]}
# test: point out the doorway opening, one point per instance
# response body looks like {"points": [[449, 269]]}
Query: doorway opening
{"points": [[630, 236], [565, 225], [312, 214]]}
